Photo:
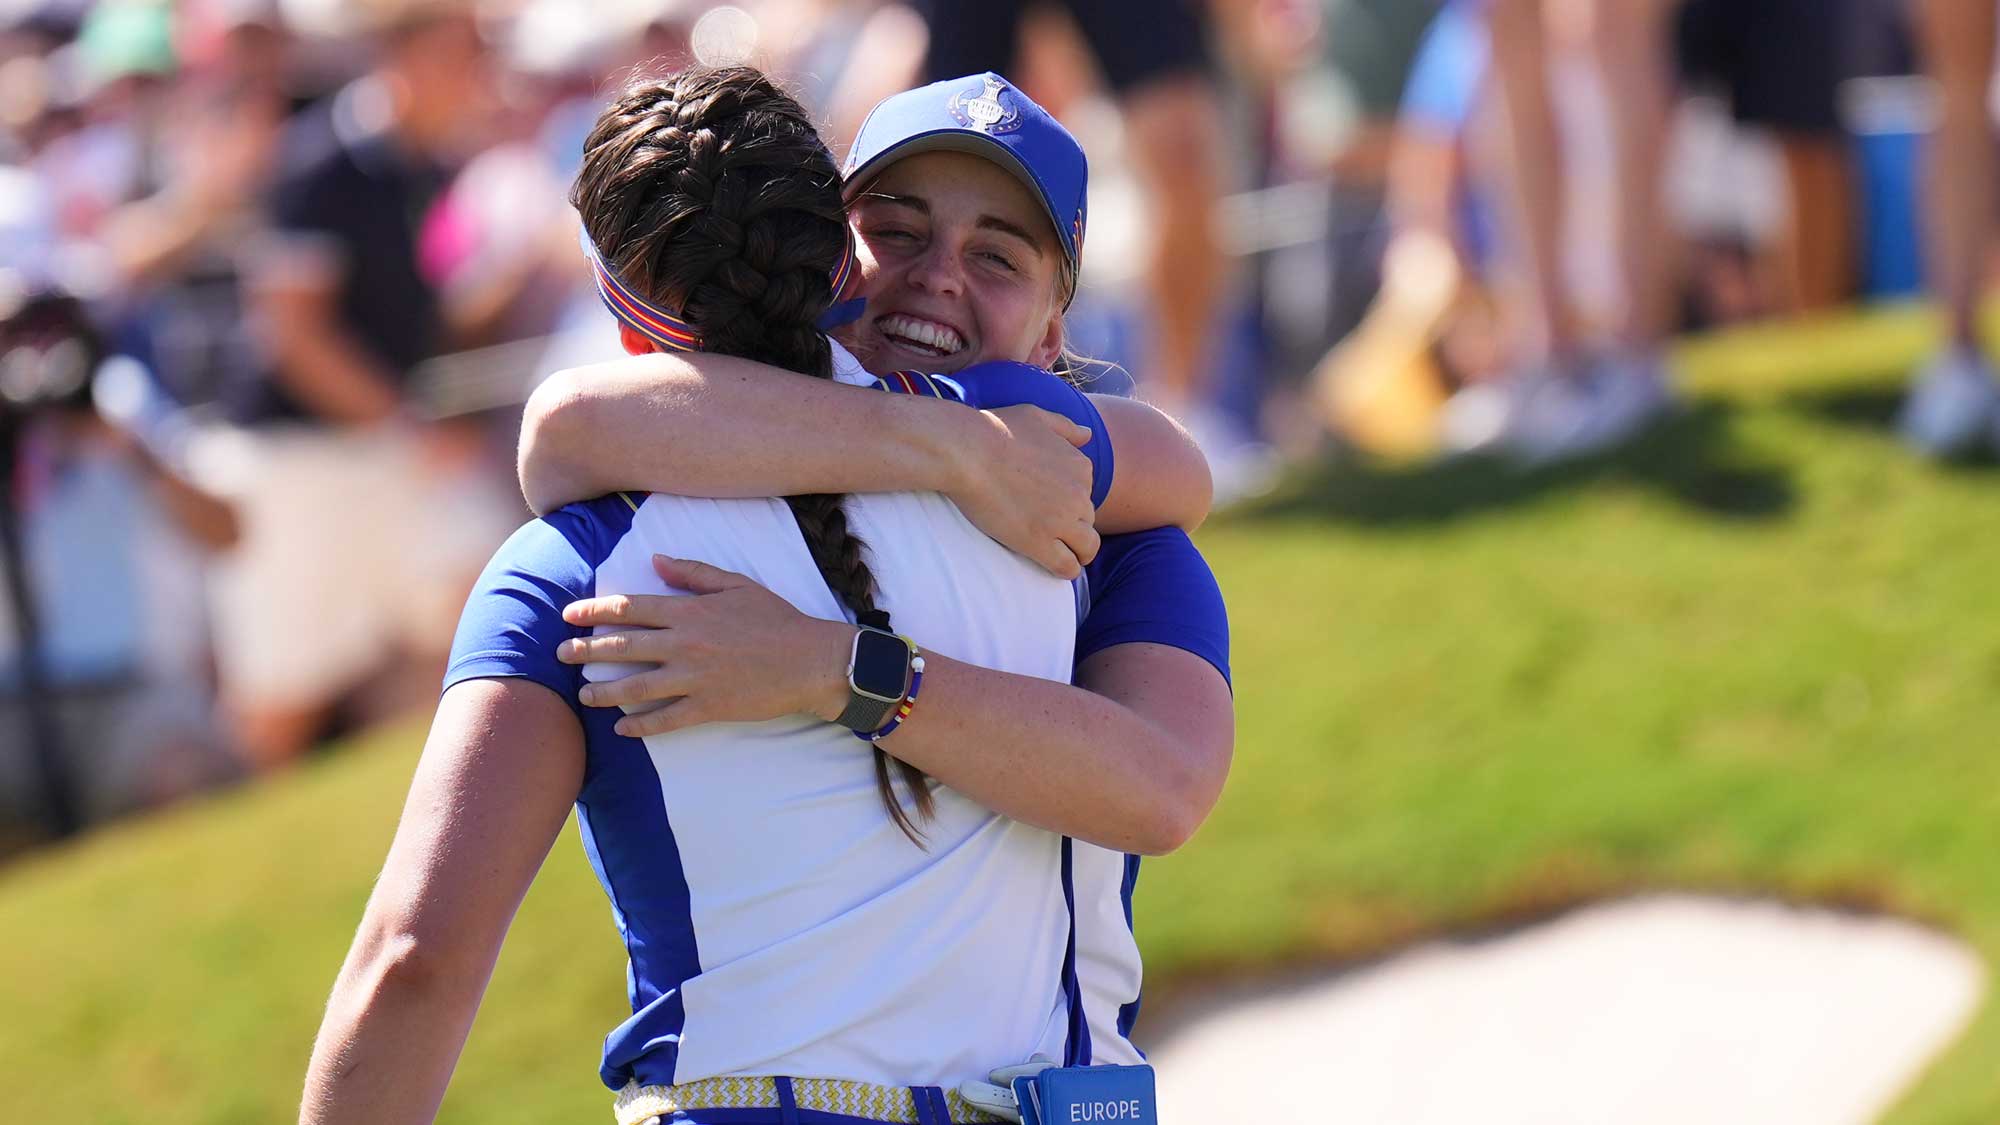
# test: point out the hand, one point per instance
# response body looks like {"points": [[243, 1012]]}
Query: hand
{"points": [[732, 651], [1026, 483]]}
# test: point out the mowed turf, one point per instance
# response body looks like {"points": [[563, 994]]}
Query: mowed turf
{"points": [[1756, 654]]}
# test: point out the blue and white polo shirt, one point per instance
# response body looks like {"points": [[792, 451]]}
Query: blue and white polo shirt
{"points": [[776, 920]]}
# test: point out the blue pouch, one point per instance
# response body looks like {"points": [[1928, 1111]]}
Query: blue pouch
{"points": [[1101, 1095]]}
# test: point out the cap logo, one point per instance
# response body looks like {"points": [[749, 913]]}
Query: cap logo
{"points": [[980, 107]]}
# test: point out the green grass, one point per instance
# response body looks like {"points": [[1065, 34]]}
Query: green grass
{"points": [[1754, 654]]}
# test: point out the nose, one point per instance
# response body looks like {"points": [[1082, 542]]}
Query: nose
{"points": [[937, 270]]}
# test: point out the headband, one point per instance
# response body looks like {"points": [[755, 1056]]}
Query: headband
{"points": [[669, 331]]}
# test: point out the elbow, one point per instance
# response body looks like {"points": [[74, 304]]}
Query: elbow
{"points": [[1187, 794], [393, 965], [398, 965], [1183, 806], [1199, 493], [1164, 833], [555, 414]]}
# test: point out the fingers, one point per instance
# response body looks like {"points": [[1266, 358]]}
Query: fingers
{"points": [[653, 686], [631, 646], [678, 715], [697, 577], [1072, 432], [1060, 560], [1083, 542], [650, 611]]}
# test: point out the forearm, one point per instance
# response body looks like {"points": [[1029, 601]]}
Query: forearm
{"points": [[725, 427], [204, 517], [1050, 754], [392, 1035], [1054, 756], [150, 238], [327, 376]]}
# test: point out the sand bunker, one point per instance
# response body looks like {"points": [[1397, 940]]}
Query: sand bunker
{"points": [[1658, 1009]]}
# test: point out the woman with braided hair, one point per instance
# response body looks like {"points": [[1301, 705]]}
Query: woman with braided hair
{"points": [[795, 957], [954, 191]]}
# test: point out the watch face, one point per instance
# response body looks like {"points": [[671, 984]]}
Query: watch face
{"points": [[881, 665]]}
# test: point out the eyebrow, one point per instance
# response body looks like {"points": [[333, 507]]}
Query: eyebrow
{"points": [[920, 205]]}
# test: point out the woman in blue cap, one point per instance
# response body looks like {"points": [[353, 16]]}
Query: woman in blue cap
{"points": [[967, 203], [794, 958]]}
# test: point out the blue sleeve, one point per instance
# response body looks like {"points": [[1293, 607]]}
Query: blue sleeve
{"points": [[513, 621], [989, 386], [1154, 587]]}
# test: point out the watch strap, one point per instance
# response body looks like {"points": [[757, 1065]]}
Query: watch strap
{"points": [[864, 715]]}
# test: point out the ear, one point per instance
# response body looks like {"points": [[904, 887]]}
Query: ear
{"points": [[1046, 349], [635, 344]]}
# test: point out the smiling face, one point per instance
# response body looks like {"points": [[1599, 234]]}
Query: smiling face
{"points": [[958, 264]]}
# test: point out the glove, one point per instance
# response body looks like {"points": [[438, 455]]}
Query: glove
{"points": [[997, 1096]]}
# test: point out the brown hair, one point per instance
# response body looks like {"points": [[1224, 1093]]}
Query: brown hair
{"points": [[709, 191]]}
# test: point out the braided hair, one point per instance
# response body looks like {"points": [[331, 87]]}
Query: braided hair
{"points": [[710, 191]]}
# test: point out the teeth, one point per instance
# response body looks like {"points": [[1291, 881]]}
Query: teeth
{"points": [[941, 337]]}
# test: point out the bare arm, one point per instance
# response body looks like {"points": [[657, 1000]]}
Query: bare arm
{"points": [[1132, 760], [315, 359], [1160, 477], [503, 764], [719, 426]]}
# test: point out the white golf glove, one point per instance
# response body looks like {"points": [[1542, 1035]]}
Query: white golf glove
{"points": [[997, 1096]]}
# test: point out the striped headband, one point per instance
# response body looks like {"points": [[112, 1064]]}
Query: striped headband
{"points": [[663, 328]]}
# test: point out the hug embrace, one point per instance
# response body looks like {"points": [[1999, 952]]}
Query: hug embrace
{"points": [[871, 653]]}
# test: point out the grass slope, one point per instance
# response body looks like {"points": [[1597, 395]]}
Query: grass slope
{"points": [[1751, 655]]}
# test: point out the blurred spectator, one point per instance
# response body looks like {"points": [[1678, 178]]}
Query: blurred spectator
{"points": [[110, 540], [363, 525], [1782, 63], [1430, 325], [1154, 58], [1954, 405], [173, 251], [1570, 391]]}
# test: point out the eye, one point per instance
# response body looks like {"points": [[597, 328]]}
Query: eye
{"points": [[1000, 260]]}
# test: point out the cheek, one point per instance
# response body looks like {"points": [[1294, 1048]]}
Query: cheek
{"points": [[870, 275], [1006, 323]]}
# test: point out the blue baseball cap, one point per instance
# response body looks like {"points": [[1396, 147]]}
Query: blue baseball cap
{"points": [[984, 115]]}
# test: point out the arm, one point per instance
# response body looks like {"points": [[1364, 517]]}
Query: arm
{"points": [[503, 764], [1132, 759], [1135, 763], [148, 240], [712, 425], [316, 360], [1162, 478]]}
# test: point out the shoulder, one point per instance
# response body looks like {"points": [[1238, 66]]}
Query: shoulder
{"points": [[1155, 586], [1006, 383], [513, 620]]}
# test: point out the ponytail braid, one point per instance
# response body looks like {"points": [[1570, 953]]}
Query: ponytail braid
{"points": [[710, 191]]}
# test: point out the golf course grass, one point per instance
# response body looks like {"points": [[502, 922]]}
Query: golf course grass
{"points": [[1752, 654]]}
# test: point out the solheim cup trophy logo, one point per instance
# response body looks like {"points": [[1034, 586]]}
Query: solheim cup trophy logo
{"points": [[980, 107]]}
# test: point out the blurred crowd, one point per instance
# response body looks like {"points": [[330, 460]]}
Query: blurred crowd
{"points": [[275, 276]]}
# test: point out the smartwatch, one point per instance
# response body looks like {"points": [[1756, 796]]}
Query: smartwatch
{"points": [[878, 677]]}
